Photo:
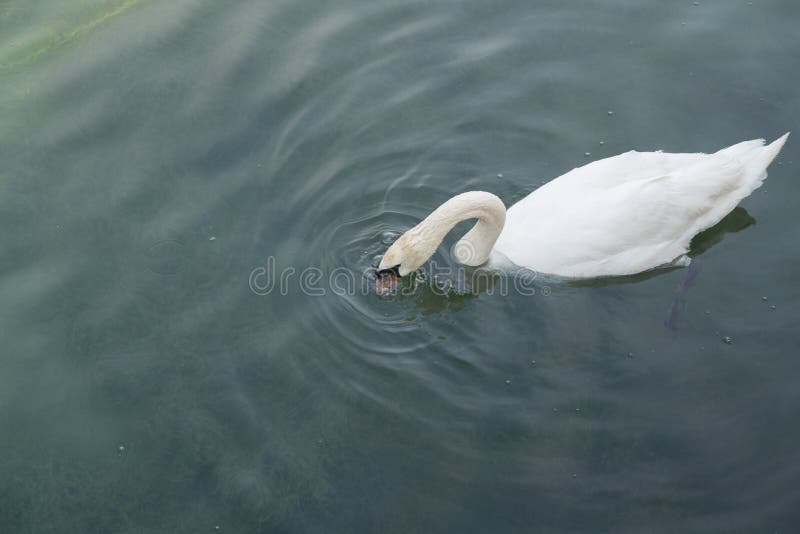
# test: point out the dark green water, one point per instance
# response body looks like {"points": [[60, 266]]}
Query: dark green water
{"points": [[154, 154]]}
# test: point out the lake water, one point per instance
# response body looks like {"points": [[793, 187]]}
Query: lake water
{"points": [[162, 160]]}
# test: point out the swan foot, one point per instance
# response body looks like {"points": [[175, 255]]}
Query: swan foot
{"points": [[678, 306]]}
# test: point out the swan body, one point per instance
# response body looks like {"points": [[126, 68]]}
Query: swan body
{"points": [[616, 216]]}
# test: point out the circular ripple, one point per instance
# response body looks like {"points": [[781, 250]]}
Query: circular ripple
{"points": [[166, 257]]}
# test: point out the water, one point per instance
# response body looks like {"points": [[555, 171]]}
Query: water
{"points": [[157, 154]]}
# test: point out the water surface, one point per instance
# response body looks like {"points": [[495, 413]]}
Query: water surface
{"points": [[156, 154]]}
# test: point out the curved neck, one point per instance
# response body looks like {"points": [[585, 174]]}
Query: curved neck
{"points": [[476, 245]]}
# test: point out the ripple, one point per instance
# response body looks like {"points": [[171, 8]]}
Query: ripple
{"points": [[370, 335], [166, 257], [485, 48]]}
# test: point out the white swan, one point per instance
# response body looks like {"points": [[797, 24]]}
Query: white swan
{"points": [[616, 216]]}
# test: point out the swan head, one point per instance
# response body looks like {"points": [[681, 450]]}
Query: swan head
{"points": [[405, 255]]}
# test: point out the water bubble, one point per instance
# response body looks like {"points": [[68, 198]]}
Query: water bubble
{"points": [[121, 448], [630, 355], [587, 154], [387, 238], [773, 307], [212, 238], [728, 340], [696, 3], [764, 299], [610, 112], [508, 382], [533, 362], [555, 410], [499, 174], [602, 143]]}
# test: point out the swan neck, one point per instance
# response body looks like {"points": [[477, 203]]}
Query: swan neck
{"points": [[476, 245]]}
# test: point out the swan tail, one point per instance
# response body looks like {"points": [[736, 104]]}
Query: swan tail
{"points": [[756, 163], [753, 158], [769, 152], [725, 182]]}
